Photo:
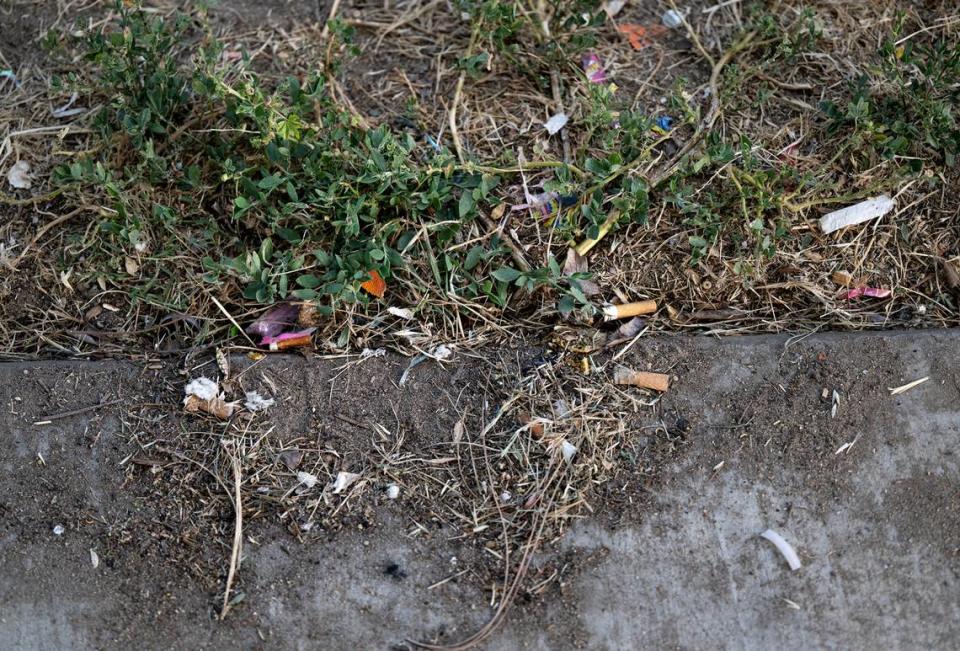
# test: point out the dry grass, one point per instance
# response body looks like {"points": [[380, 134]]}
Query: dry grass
{"points": [[502, 476]]}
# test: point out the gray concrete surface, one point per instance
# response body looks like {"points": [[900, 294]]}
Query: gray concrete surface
{"points": [[876, 526]]}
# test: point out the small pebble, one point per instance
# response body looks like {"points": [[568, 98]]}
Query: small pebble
{"points": [[393, 491], [58, 530]]}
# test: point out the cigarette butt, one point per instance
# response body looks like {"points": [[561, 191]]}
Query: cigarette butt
{"points": [[628, 310], [292, 342], [642, 379]]}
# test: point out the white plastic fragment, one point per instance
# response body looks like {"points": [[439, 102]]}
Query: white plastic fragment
{"points": [[256, 402], [393, 492], [783, 547], [555, 123], [442, 353], [307, 479], [203, 388], [401, 313], [343, 481], [613, 7], [94, 558], [19, 175], [368, 353], [856, 214], [65, 111], [506, 496], [568, 449], [58, 530], [672, 19]]}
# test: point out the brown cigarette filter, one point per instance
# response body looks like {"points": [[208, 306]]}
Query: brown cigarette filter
{"points": [[656, 381], [628, 310], [293, 342]]}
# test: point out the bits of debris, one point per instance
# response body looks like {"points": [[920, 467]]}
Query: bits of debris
{"points": [[568, 449], [342, 482], [203, 395], [856, 214], [307, 479], [368, 353], [642, 379], [19, 175], [58, 529], [906, 387], [506, 496], [393, 492], [255, 402], [275, 320], [784, 547], [291, 458], [869, 292], [401, 313], [555, 123], [94, 558], [672, 19]]}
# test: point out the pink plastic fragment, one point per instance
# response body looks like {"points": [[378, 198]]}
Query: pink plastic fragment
{"points": [[868, 292], [275, 320], [593, 68], [268, 340]]}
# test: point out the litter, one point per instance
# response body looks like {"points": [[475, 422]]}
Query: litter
{"points": [[369, 353], [555, 123], [631, 328], [784, 547], [256, 402], [639, 36], [868, 292], [505, 497], [58, 530], [842, 278], [203, 388], [665, 122], [275, 320], [593, 68], [307, 479], [906, 387], [672, 19], [401, 313], [19, 175], [613, 7], [568, 449], [65, 111], [376, 285], [343, 481], [291, 458], [203, 394], [94, 559], [835, 404], [393, 492], [642, 379], [628, 310], [288, 340], [9, 74], [547, 202], [856, 214]]}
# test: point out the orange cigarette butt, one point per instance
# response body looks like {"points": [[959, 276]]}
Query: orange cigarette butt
{"points": [[656, 381], [292, 342], [628, 310]]}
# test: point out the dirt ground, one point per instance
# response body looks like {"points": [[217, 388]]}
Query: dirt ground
{"points": [[744, 440]]}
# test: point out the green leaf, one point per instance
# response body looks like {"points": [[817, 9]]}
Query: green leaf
{"points": [[506, 274], [697, 242], [308, 281], [467, 204]]}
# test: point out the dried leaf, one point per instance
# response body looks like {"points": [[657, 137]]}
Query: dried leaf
{"points": [[376, 286], [401, 313], [575, 263], [291, 458], [131, 266]]}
